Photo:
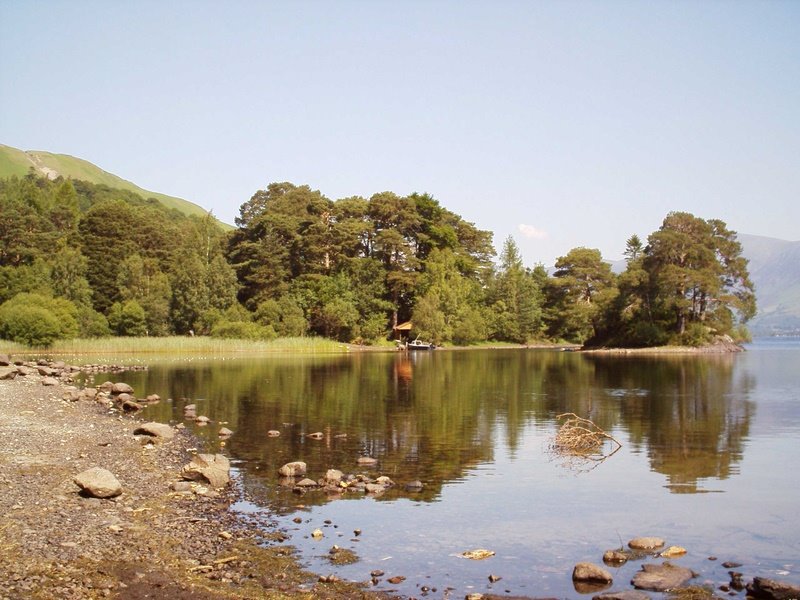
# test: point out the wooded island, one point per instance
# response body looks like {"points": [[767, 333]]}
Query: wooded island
{"points": [[84, 260]]}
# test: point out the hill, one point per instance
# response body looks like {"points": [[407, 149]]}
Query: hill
{"points": [[775, 271], [18, 162]]}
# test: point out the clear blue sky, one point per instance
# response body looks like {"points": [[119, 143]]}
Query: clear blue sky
{"points": [[563, 124]]}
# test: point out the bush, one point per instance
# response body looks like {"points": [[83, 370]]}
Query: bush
{"points": [[28, 324], [696, 335], [92, 323], [62, 311]]}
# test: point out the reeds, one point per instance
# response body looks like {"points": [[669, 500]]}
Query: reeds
{"points": [[197, 345]]}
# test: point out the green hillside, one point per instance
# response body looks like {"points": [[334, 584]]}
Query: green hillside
{"points": [[17, 162]]}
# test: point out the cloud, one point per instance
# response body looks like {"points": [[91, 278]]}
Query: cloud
{"points": [[529, 231]]}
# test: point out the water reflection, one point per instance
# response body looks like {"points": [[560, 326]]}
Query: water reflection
{"points": [[434, 416]]}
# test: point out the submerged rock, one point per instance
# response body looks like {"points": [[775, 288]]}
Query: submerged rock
{"points": [[292, 469], [586, 571], [646, 543], [659, 578], [769, 589]]}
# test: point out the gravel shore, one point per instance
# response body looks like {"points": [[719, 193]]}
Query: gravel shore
{"points": [[148, 542]]}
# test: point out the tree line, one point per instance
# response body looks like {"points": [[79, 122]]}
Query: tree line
{"points": [[79, 259]]}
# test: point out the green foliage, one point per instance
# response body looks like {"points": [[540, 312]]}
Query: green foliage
{"points": [[245, 330], [29, 325], [127, 318], [59, 319], [92, 323]]}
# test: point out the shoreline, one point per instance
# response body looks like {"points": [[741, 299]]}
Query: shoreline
{"points": [[161, 537]]}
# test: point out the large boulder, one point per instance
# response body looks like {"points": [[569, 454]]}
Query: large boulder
{"points": [[660, 578], [99, 483], [5, 360], [157, 430], [213, 468], [769, 589]]}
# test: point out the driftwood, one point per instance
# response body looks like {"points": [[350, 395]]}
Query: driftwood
{"points": [[580, 442]]}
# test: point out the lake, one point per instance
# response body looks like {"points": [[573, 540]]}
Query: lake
{"points": [[707, 459]]}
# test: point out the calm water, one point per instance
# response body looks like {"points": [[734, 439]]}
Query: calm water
{"points": [[708, 458]]}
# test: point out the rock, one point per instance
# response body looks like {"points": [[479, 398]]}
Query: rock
{"points": [[317, 435], [673, 551], [646, 543], [98, 483], [333, 475], [367, 461], [477, 554], [131, 406], [273, 433], [761, 587], [213, 468], [384, 481], [47, 371], [317, 534], [225, 432], [626, 595], [8, 372], [659, 578], [124, 397], [306, 483], [159, 430], [586, 571], [202, 420], [49, 381], [5, 360], [397, 579], [615, 557], [180, 486], [121, 388], [153, 398], [375, 488], [293, 469], [414, 486]]}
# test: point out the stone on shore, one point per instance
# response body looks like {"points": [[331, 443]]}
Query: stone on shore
{"points": [[586, 571], [225, 432], [213, 468], [158, 430], [615, 557], [99, 483], [8, 372], [769, 589], [49, 381], [367, 461], [659, 578]]}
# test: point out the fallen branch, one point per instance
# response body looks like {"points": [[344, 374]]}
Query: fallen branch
{"points": [[580, 441]]}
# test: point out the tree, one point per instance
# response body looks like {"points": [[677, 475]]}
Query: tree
{"points": [[698, 274], [142, 280], [581, 288], [515, 298], [127, 318]]}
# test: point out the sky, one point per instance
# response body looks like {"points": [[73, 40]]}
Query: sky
{"points": [[560, 123]]}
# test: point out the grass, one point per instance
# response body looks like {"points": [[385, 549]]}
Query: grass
{"points": [[198, 345]]}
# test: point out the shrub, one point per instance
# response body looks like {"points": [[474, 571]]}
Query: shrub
{"points": [[28, 324]]}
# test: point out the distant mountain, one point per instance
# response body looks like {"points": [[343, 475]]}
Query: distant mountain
{"points": [[775, 271], [18, 162]]}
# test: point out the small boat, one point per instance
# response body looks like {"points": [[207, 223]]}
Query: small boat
{"points": [[418, 344]]}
